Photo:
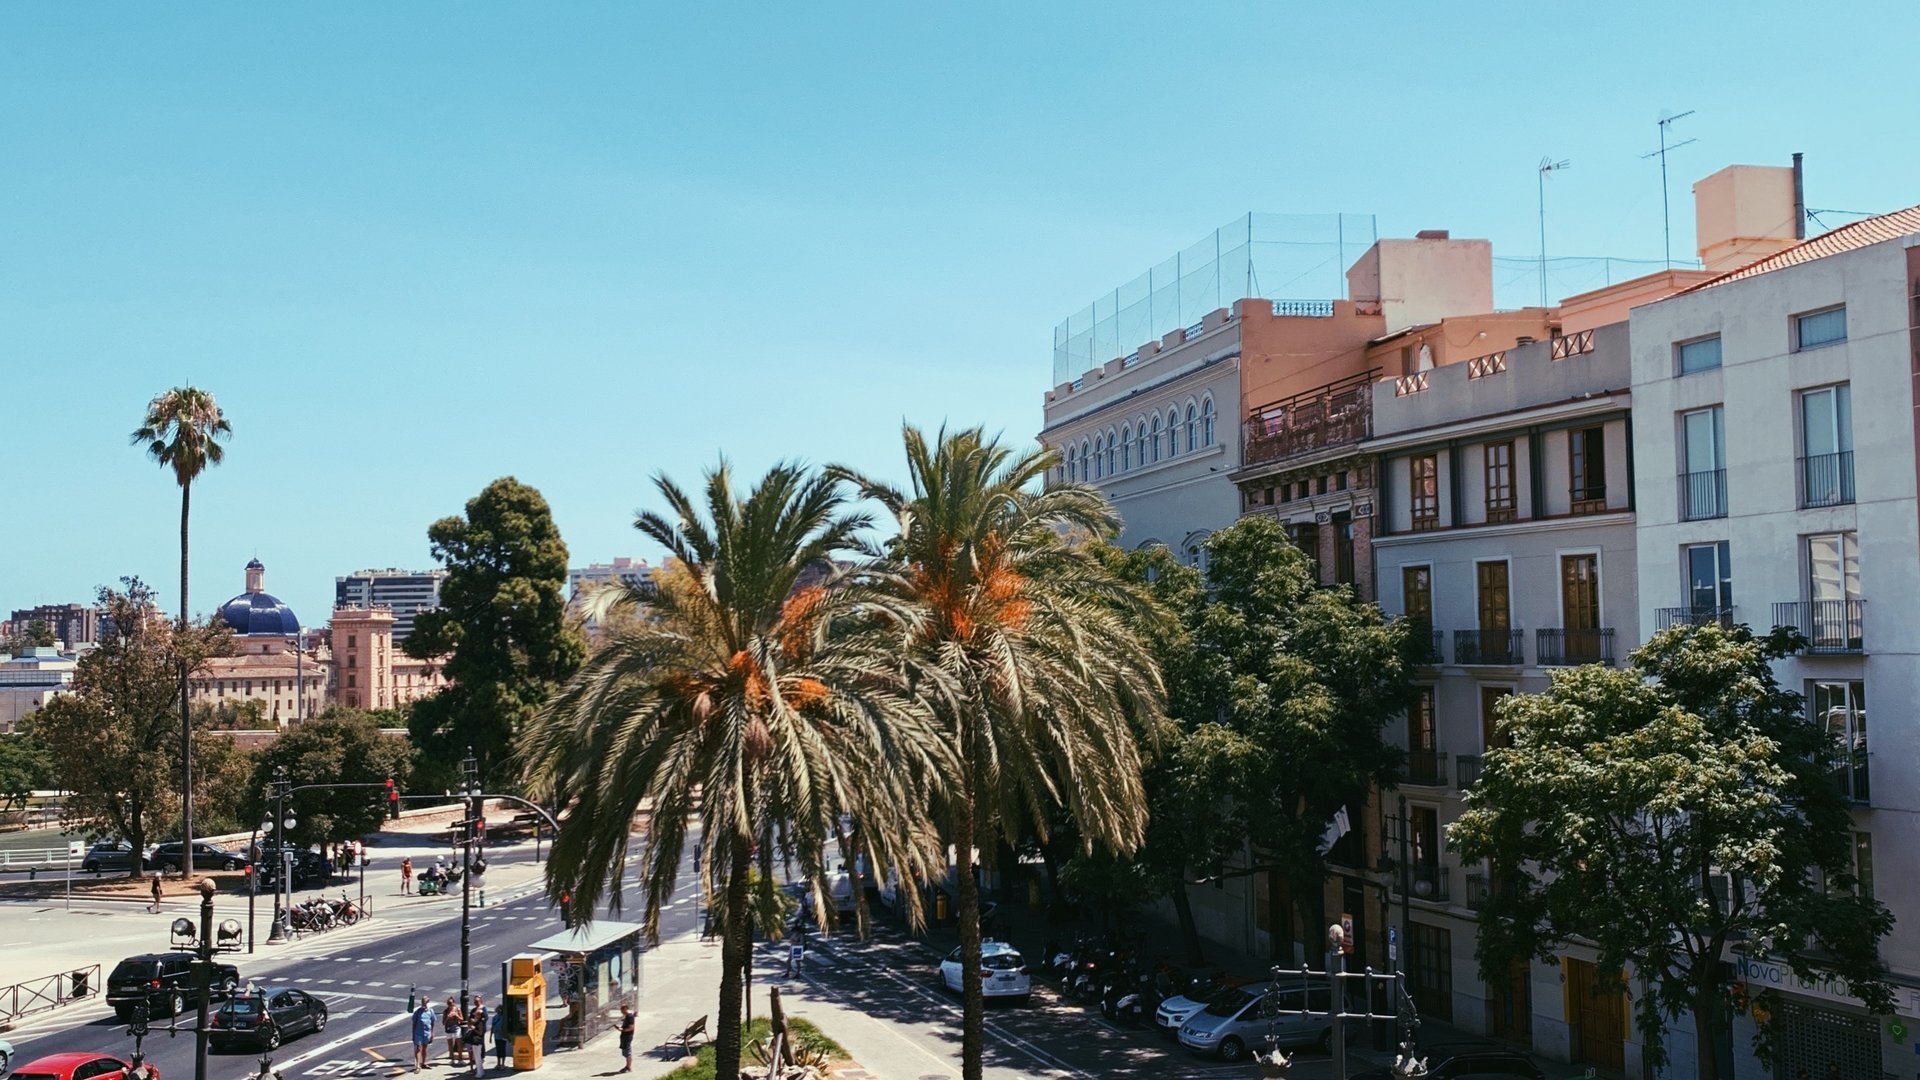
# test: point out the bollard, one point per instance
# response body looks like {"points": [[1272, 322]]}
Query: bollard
{"points": [[411, 1003]]}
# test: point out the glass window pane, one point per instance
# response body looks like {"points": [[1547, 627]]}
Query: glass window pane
{"points": [[1702, 355], [1704, 440], [1822, 327], [1817, 421]]}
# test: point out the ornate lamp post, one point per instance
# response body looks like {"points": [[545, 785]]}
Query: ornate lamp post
{"points": [[470, 791], [278, 827]]}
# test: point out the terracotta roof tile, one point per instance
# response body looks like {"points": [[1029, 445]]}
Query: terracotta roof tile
{"points": [[1852, 237]]}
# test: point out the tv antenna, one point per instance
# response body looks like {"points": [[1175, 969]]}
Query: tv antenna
{"points": [[1666, 210], [1547, 165]]}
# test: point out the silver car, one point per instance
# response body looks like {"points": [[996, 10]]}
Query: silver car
{"points": [[1175, 1011], [1239, 1020]]}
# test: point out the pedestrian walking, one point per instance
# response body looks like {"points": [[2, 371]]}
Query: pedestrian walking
{"points": [[156, 895], [500, 1040], [476, 1036], [423, 1021], [452, 1020], [406, 875], [626, 1037]]}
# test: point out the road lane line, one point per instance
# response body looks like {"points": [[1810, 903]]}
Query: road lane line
{"points": [[351, 1036]]}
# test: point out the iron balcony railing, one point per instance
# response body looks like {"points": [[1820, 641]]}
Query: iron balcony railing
{"points": [[1703, 495], [1568, 646], [1502, 647], [1304, 309], [1427, 767], [1491, 364], [1826, 479], [1476, 889], [1835, 627], [1466, 770], [1332, 415], [1667, 618], [1572, 345], [1425, 641], [1853, 774]]}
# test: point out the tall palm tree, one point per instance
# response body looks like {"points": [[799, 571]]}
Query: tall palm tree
{"points": [[1041, 680], [760, 691], [182, 432]]}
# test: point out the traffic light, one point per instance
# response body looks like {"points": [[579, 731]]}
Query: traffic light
{"points": [[566, 910], [393, 801]]}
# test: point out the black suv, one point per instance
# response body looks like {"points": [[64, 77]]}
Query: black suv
{"points": [[1467, 1062], [205, 857], [163, 982]]}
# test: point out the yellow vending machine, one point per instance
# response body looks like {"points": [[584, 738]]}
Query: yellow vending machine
{"points": [[524, 1003]]}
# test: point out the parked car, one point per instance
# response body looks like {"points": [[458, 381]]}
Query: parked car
{"points": [[6, 1056], [205, 857], [163, 982], [1240, 1019], [1003, 973], [110, 855], [1468, 1062], [1175, 1011], [266, 1017], [77, 1066]]}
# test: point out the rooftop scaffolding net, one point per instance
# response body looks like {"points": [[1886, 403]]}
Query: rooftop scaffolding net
{"points": [[1269, 256]]}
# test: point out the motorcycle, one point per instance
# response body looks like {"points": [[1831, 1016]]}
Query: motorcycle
{"points": [[345, 911]]}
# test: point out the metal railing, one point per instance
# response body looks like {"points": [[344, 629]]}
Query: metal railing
{"points": [[1332, 415], [50, 992], [1572, 345], [1667, 618], [1429, 882], [1831, 627], [1491, 364], [1502, 647], [1826, 480], [1304, 309], [53, 858], [1854, 774], [1411, 384], [1586, 499], [1427, 767], [1434, 653], [1703, 495], [1196, 329], [1476, 889], [1568, 646], [1466, 772]]}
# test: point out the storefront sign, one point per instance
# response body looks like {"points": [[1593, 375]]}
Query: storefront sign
{"points": [[1772, 975]]}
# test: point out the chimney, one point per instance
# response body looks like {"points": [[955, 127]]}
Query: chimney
{"points": [[1744, 213]]}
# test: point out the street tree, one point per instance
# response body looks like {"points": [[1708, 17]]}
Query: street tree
{"points": [[500, 629], [182, 432], [340, 746], [1035, 664], [1665, 811], [763, 695], [1307, 678], [26, 766], [113, 737]]}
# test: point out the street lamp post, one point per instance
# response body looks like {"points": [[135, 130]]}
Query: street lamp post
{"points": [[280, 825], [204, 979], [470, 791]]}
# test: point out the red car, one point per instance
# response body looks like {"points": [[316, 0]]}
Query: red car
{"points": [[79, 1066]]}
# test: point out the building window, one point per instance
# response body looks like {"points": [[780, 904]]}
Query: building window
{"points": [[1306, 536], [1491, 737], [1826, 439], [1111, 452], [1833, 590], [1099, 454], [1126, 448], [1173, 432], [1499, 468], [1343, 549], [1700, 355], [1431, 950], [1416, 593], [1587, 460], [350, 641], [1140, 441], [1193, 427], [353, 660], [1817, 328], [1424, 482], [1491, 578], [1423, 761], [1709, 570], [1703, 477], [1206, 421], [1073, 467], [1156, 438], [350, 678], [1841, 709]]}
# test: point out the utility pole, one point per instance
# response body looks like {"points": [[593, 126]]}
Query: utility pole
{"points": [[1666, 208], [278, 828]]}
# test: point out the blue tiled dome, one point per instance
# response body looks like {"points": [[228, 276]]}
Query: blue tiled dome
{"points": [[259, 613]]}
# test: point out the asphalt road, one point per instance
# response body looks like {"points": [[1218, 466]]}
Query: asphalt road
{"points": [[364, 974]]}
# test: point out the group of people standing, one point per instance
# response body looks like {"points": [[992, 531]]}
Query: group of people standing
{"points": [[441, 876], [467, 1032]]}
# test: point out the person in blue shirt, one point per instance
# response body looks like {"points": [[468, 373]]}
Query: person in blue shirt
{"points": [[424, 1022]]}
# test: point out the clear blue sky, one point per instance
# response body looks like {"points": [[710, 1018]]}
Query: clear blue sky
{"points": [[413, 247]]}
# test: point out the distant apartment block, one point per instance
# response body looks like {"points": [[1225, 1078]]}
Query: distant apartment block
{"points": [[404, 592], [73, 625], [625, 571]]}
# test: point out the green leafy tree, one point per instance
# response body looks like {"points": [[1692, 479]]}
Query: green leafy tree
{"points": [[40, 635], [26, 766], [113, 738], [1307, 678], [182, 433], [501, 627], [340, 746], [1661, 813], [1033, 657], [766, 706]]}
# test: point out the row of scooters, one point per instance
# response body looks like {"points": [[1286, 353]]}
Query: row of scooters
{"points": [[320, 913], [1099, 970]]}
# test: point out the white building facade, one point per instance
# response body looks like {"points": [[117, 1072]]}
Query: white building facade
{"points": [[404, 592]]}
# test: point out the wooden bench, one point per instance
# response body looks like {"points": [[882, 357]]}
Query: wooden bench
{"points": [[684, 1040]]}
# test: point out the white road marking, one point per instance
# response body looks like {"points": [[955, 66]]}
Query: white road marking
{"points": [[351, 1037]]}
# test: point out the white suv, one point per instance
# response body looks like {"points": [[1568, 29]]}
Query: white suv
{"points": [[1002, 972]]}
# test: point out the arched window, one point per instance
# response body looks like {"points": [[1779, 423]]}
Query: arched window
{"points": [[1173, 432], [1113, 454], [1086, 461], [1073, 466], [1099, 456], [1126, 447], [1156, 436], [1206, 421], [1140, 441], [1193, 427]]}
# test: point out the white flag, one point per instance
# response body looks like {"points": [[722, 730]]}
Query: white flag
{"points": [[1337, 828]]}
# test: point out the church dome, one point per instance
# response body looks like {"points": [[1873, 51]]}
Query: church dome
{"points": [[257, 613]]}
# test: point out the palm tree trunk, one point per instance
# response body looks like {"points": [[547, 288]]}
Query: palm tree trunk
{"points": [[735, 952], [186, 716], [973, 1015]]}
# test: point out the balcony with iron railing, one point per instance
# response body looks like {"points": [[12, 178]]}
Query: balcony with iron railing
{"points": [[1572, 345], [1703, 495], [1426, 767], [1489, 647], [1428, 881], [1667, 618], [1568, 646], [1854, 772], [1826, 480], [1831, 627], [1466, 771], [1336, 414], [1477, 890]]}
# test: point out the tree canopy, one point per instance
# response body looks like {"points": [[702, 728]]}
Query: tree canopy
{"points": [[1663, 812], [501, 628], [26, 766], [340, 746]]}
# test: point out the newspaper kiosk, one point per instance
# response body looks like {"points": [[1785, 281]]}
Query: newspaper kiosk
{"points": [[591, 972]]}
